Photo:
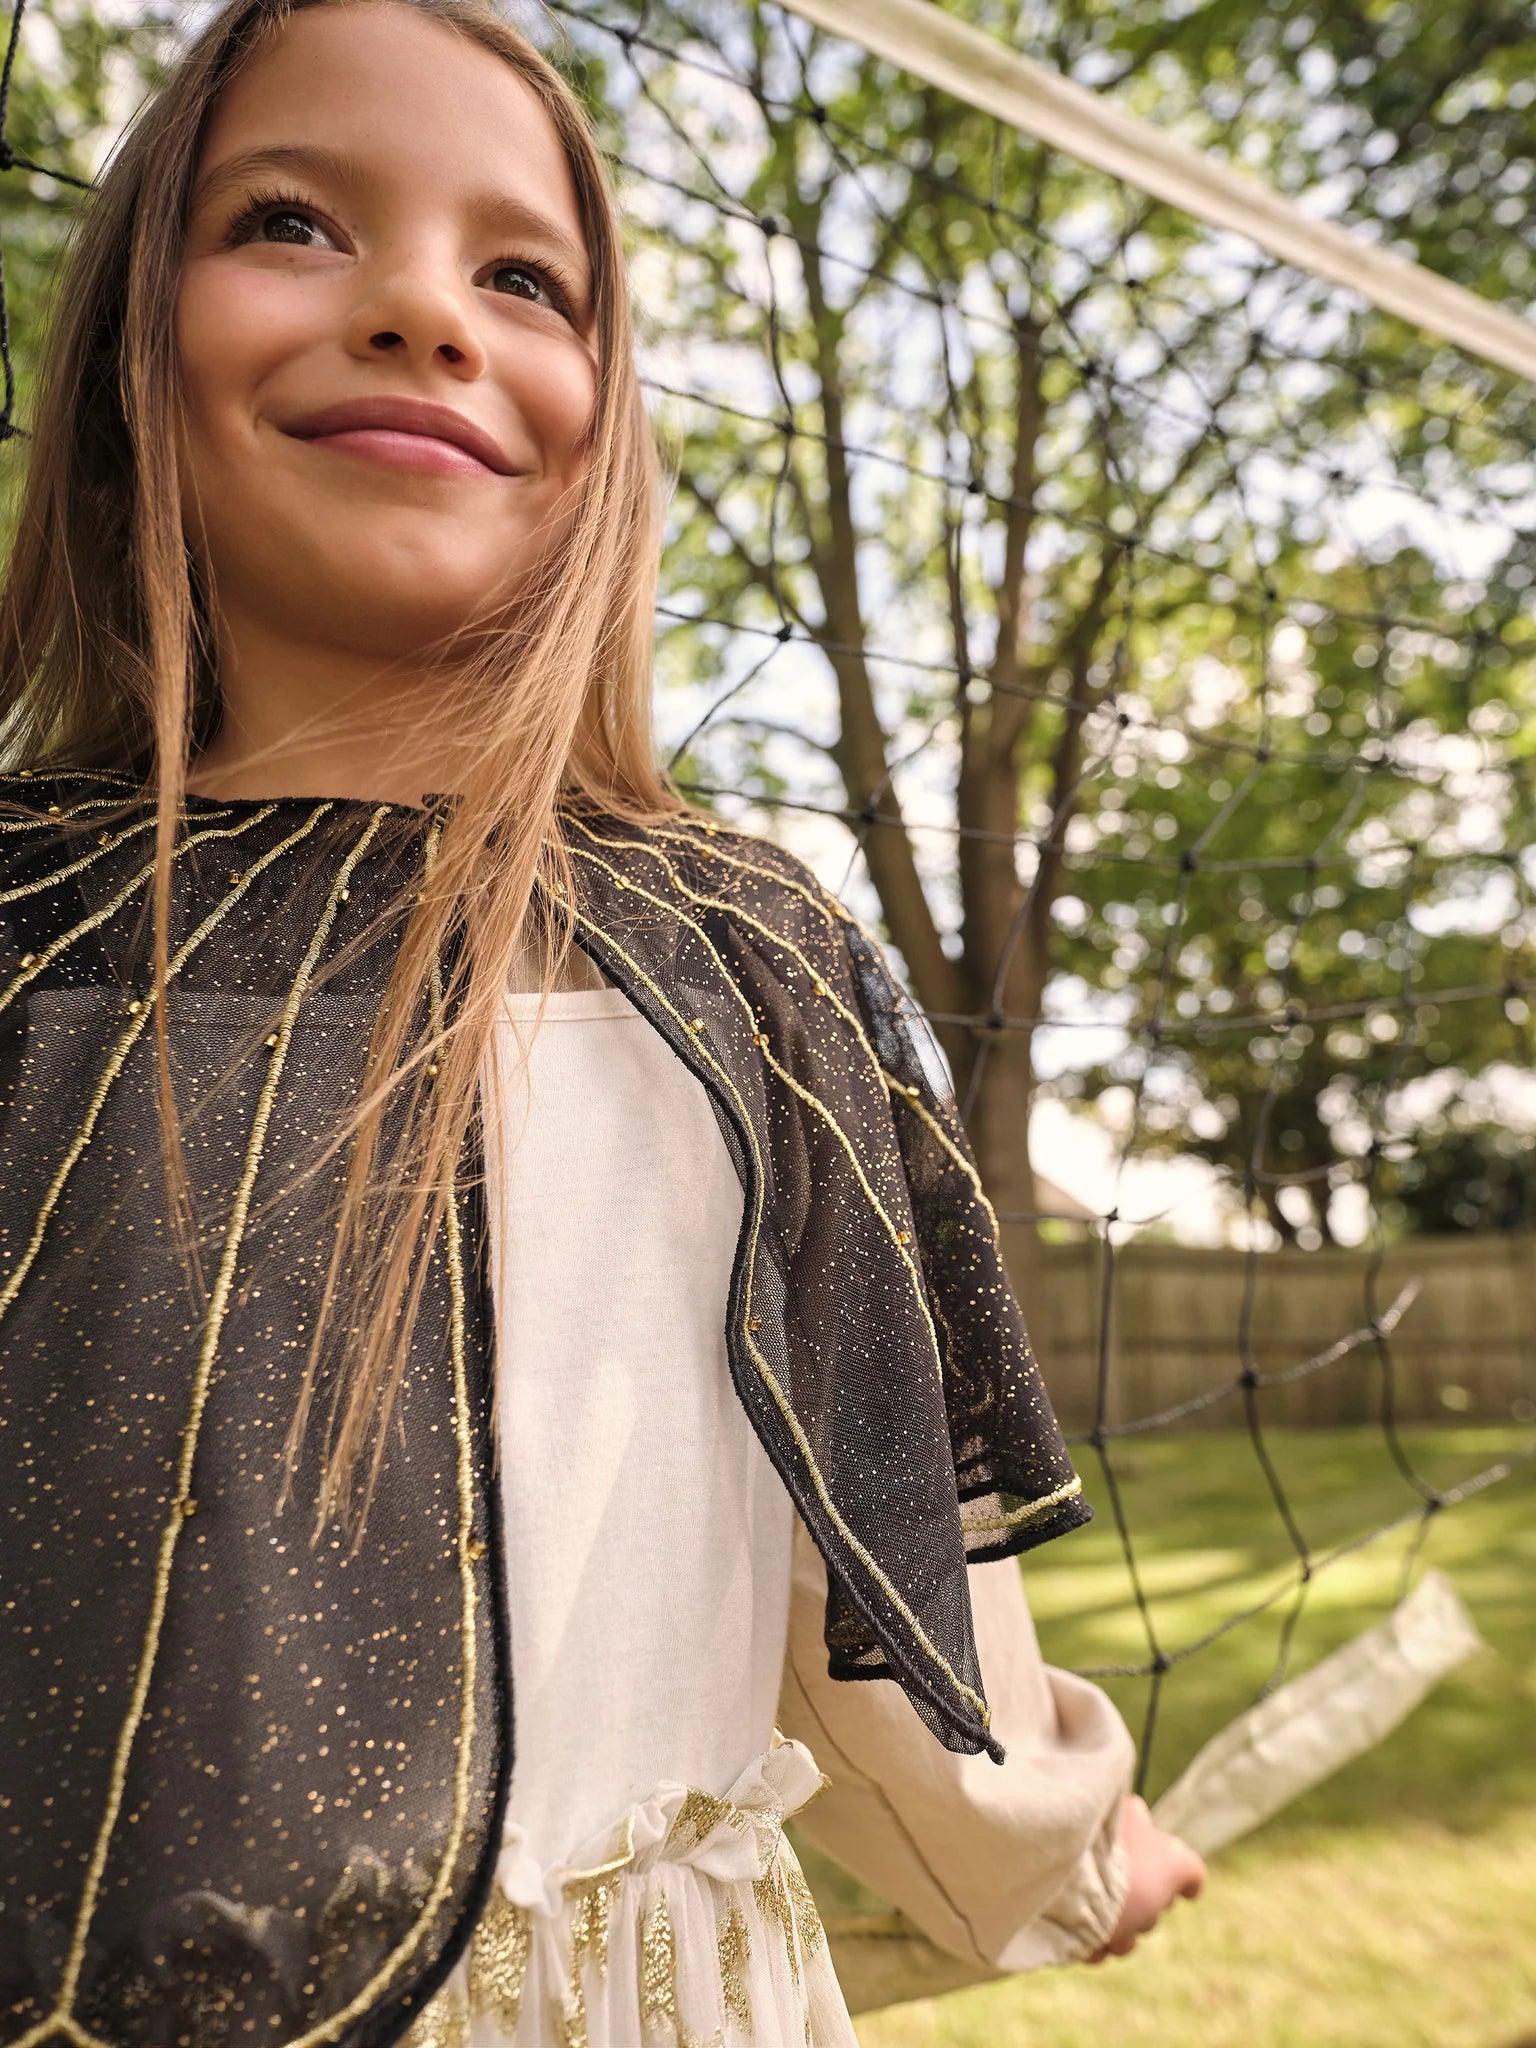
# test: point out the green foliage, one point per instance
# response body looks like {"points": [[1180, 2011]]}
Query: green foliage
{"points": [[1233, 625], [80, 72]]}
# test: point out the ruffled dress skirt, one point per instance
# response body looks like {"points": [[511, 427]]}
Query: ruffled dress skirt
{"points": [[689, 1922]]}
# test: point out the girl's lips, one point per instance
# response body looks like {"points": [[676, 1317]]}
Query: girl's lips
{"points": [[403, 450]]}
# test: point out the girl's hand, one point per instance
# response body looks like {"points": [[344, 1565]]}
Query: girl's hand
{"points": [[1162, 1869]]}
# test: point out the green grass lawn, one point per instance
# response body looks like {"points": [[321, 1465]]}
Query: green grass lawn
{"points": [[1395, 1904]]}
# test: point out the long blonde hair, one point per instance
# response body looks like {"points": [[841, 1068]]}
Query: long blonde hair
{"points": [[104, 662]]}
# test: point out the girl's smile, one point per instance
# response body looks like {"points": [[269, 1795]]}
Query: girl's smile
{"points": [[406, 431]]}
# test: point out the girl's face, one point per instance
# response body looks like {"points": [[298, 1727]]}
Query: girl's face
{"points": [[385, 332]]}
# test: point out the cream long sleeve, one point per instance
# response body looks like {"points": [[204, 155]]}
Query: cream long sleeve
{"points": [[1013, 1866]]}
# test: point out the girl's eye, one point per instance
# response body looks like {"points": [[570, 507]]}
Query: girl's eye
{"points": [[529, 281], [273, 218]]}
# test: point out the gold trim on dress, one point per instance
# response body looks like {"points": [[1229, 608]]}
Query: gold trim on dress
{"points": [[33, 964]]}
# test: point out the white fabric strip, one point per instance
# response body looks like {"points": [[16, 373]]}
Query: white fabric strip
{"points": [[1307, 1730]]}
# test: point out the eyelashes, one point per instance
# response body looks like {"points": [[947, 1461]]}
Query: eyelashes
{"points": [[259, 205], [263, 205]]}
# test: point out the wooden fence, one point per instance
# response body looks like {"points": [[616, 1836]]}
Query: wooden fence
{"points": [[1458, 1313]]}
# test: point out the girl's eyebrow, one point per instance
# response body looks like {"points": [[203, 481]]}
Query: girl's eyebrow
{"points": [[314, 160]]}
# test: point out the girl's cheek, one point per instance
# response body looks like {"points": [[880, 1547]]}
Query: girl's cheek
{"points": [[232, 326], [556, 392]]}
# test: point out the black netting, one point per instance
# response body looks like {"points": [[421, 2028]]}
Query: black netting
{"points": [[1139, 632]]}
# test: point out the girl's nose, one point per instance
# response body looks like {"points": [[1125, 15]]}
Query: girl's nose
{"points": [[417, 317]]}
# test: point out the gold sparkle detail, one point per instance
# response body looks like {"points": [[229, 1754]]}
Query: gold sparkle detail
{"points": [[443, 2023], [498, 1959], [774, 1903], [699, 1815], [658, 1967], [803, 1905], [733, 1944]]}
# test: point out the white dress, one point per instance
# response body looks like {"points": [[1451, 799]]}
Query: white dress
{"points": [[645, 1890]]}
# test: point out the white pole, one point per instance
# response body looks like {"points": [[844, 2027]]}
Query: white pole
{"points": [[930, 44]]}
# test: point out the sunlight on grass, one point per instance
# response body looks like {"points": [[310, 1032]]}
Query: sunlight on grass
{"points": [[1337, 1938], [1394, 1904]]}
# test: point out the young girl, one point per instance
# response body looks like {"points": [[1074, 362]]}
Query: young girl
{"points": [[351, 1688]]}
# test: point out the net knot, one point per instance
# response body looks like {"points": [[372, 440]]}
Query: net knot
{"points": [[786, 632], [7, 155], [770, 225]]}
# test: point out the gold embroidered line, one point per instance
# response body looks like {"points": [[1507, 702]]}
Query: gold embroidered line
{"points": [[831, 907], [119, 1055], [182, 1503], [51, 819], [916, 1102], [829, 910], [976, 1525], [797, 1088], [62, 944], [362, 2003], [777, 938], [59, 774], [887, 1079], [765, 1370], [701, 839], [59, 2026], [76, 867]]}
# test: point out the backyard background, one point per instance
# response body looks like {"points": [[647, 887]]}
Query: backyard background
{"points": [[1141, 636]]}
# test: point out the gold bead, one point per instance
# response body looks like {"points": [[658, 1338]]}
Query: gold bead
{"points": [[103, 838], [134, 1007], [235, 876], [903, 1237], [345, 896], [186, 1505], [29, 959], [271, 1038], [697, 1024], [432, 1070], [754, 1322], [54, 811], [821, 988], [476, 1549], [759, 1038], [914, 1091]]}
